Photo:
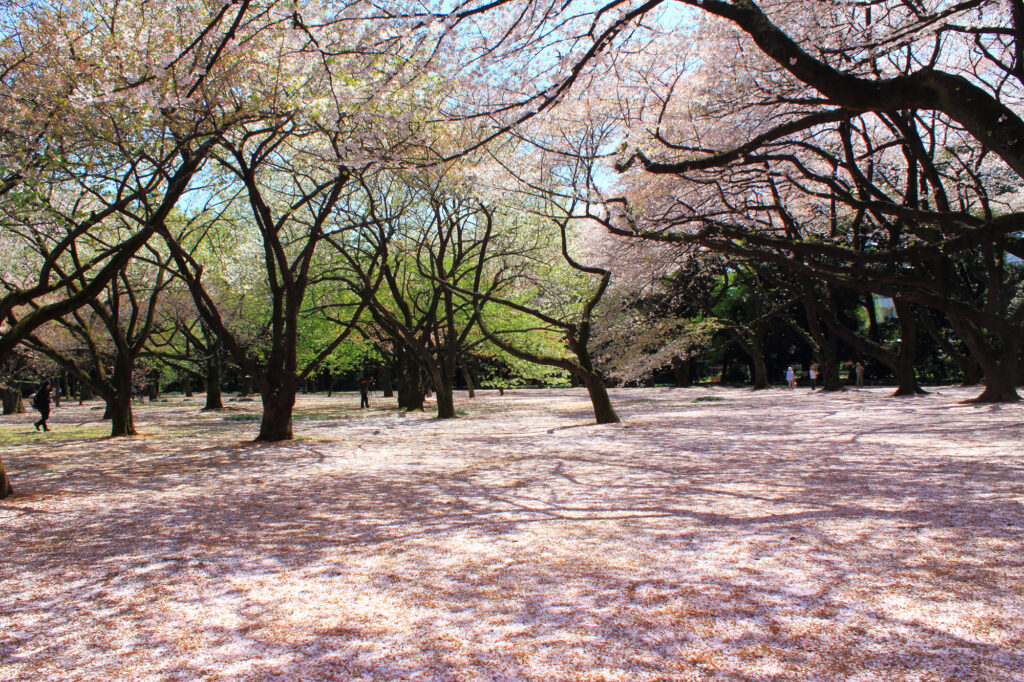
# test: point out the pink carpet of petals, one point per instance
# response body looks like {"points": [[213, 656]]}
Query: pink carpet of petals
{"points": [[772, 535]]}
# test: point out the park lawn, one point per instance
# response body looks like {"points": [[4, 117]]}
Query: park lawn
{"points": [[751, 536]]}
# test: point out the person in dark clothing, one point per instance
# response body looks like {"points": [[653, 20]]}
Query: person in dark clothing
{"points": [[364, 393], [41, 402]]}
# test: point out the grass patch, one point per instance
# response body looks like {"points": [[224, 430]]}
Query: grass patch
{"points": [[23, 435], [243, 417], [317, 416], [708, 399]]}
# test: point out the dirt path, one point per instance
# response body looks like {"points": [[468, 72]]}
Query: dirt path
{"points": [[771, 535]]}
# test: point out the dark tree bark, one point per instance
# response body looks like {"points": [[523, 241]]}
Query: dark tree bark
{"points": [[278, 403], [825, 343], [12, 402], [122, 420], [681, 371], [118, 397], [969, 369], [445, 398], [387, 386], [901, 363], [903, 368], [604, 412], [411, 389], [214, 372], [998, 365], [5, 483], [468, 378], [752, 343]]}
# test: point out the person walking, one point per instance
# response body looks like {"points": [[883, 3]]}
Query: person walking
{"points": [[859, 370], [791, 377], [41, 402], [814, 375]]}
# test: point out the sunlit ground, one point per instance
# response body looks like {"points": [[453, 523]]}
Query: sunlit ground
{"points": [[770, 535]]}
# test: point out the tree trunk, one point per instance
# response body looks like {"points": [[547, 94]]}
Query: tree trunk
{"points": [[85, 392], [828, 354], [445, 402], [604, 413], [122, 421], [999, 388], [278, 403], [753, 346], [410, 383], [186, 385], [386, 384], [5, 483], [903, 368], [443, 379], [12, 402], [214, 370], [469, 380], [998, 367], [829, 365], [827, 348], [906, 378], [681, 371], [759, 371], [969, 369], [119, 398]]}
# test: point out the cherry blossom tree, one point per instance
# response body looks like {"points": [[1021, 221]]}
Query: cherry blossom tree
{"points": [[428, 241], [886, 131]]}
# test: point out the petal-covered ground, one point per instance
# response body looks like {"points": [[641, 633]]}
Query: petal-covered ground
{"points": [[716, 534]]}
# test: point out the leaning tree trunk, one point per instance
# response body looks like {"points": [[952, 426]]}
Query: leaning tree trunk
{"points": [[278, 403], [754, 348], [969, 369], [901, 363], [469, 380], [604, 413], [5, 483], [999, 368]]}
